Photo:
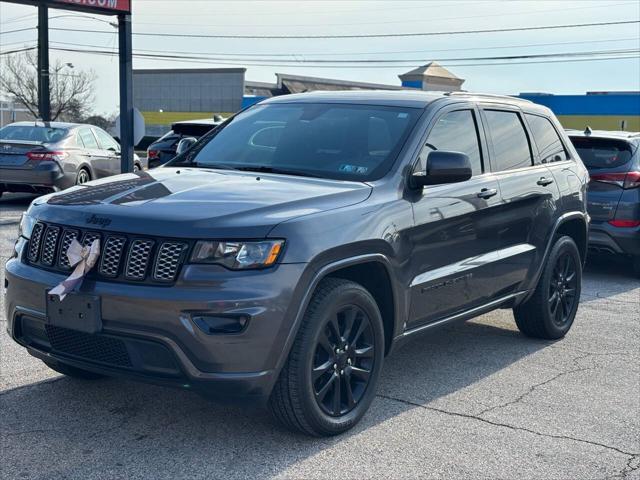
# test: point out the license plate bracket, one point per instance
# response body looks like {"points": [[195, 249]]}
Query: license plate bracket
{"points": [[77, 312]]}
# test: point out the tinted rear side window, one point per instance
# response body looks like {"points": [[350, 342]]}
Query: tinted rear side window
{"points": [[510, 143], [547, 140], [602, 152], [457, 132]]}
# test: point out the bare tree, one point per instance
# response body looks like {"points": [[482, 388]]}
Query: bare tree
{"points": [[71, 93]]}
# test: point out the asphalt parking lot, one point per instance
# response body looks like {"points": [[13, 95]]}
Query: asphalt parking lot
{"points": [[474, 401]]}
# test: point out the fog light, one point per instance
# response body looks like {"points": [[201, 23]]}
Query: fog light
{"points": [[213, 325]]}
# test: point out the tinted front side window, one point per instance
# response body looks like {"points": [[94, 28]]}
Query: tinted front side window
{"points": [[602, 152], [550, 147], [87, 138], [510, 143], [454, 132], [339, 141], [106, 142]]}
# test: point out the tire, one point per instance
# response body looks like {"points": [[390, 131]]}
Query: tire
{"points": [[136, 167], [83, 176], [559, 286], [73, 372], [309, 406]]}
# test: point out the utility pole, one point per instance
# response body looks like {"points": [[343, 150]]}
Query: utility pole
{"points": [[44, 101]]}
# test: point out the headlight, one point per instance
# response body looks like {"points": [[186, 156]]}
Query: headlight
{"points": [[238, 255], [26, 225]]}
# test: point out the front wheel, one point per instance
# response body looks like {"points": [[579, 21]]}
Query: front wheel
{"points": [[331, 374], [550, 311]]}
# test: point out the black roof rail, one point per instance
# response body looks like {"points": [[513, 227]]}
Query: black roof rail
{"points": [[488, 95]]}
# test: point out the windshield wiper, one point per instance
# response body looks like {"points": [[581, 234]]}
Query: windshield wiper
{"points": [[215, 166], [283, 171]]}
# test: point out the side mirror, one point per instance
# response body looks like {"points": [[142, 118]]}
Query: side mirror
{"points": [[185, 144], [443, 167]]}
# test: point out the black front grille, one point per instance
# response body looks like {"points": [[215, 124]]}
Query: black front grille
{"points": [[122, 257], [96, 348]]}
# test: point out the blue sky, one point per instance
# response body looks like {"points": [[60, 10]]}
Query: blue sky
{"points": [[363, 17]]}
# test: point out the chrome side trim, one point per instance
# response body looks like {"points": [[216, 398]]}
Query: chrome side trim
{"points": [[466, 315], [472, 262]]}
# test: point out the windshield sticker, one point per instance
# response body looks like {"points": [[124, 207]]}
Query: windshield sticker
{"points": [[353, 169]]}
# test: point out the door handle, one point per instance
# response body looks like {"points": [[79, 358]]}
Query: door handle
{"points": [[545, 181], [487, 192]]}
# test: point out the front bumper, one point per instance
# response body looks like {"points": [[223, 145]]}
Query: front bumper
{"points": [[605, 238], [47, 175], [148, 335]]}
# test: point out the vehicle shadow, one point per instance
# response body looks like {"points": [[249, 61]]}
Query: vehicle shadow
{"points": [[609, 276], [16, 199], [67, 428]]}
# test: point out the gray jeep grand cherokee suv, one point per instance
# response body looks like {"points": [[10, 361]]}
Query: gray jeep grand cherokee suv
{"points": [[283, 256]]}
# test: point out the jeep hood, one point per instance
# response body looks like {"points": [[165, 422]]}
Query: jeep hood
{"points": [[197, 203]]}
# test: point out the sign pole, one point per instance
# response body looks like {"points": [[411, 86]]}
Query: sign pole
{"points": [[126, 93], [44, 101]]}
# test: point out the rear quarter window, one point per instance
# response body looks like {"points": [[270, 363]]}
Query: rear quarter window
{"points": [[602, 152]]}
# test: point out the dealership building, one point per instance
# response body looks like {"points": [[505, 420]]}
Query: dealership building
{"points": [[168, 95]]}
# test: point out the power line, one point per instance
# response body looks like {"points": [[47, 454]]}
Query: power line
{"points": [[6, 32], [403, 62], [369, 35], [298, 54], [370, 67]]}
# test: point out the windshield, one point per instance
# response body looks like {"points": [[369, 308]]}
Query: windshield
{"points": [[338, 141], [32, 133], [602, 152]]}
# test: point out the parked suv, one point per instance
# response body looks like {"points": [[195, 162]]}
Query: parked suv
{"points": [[164, 148], [284, 255], [40, 157], [613, 201]]}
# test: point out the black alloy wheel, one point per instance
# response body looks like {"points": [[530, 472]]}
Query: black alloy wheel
{"points": [[343, 361], [333, 368], [551, 309], [562, 289]]}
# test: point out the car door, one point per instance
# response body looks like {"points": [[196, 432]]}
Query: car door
{"points": [[110, 150], [93, 153], [454, 239], [529, 196]]}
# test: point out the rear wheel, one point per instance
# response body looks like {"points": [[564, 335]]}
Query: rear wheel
{"points": [[331, 374], [73, 372], [550, 311], [83, 176], [136, 167]]}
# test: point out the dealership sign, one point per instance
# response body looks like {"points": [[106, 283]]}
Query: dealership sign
{"points": [[116, 6], [107, 7]]}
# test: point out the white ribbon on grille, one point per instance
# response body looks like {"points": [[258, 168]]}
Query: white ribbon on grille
{"points": [[83, 259]]}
